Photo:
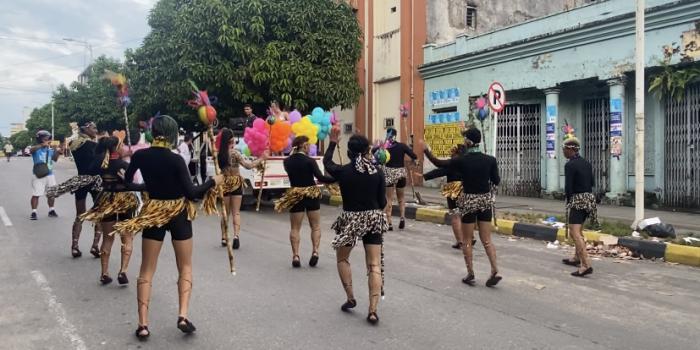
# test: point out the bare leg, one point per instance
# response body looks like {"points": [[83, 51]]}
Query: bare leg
{"points": [[468, 237], [457, 228], [106, 248], [315, 223], [77, 224], [580, 243], [127, 248], [34, 202], [344, 271], [485, 237], [150, 249], [51, 201], [183, 256], [228, 202], [295, 220], [236, 213], [374, 274], [401, 197], [389, 202]]}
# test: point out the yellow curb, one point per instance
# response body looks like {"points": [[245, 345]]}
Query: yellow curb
{"points": [[505, 227], [336, 201], [431, 215], [682, 254], [561, 235], [592, 236]]}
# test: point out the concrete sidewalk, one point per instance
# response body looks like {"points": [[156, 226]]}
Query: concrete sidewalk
{"points": [[522, 205]]}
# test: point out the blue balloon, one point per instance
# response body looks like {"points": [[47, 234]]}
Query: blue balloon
{"points": [[482, 114], [317, 113]]}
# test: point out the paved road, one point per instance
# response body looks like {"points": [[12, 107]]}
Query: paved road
{"points": [[52, 301]]}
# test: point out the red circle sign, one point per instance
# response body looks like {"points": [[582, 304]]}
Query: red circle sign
{"points": [[497, 97]]}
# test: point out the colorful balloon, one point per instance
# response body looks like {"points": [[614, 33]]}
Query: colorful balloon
{"points": [[294, 116], [306, 128]]}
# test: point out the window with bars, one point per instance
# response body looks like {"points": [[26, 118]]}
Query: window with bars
{"points": [[471, 17]]}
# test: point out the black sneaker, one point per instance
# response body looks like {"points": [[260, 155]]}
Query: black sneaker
{"points": [[236, 243], [52, 214], [32, 217], [402, 224]]}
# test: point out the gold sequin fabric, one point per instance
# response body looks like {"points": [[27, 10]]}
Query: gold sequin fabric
{"points": [[468, 203], [393, 175], [231, 183], [585, 202], [111, 203], [452, 189], [294, 195], [156, 213], [353, 225]]}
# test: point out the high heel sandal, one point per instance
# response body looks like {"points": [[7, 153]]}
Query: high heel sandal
{"points": [[372, 318], [236, 242], [105, 279], [185, 325], [140, 333], [95, 252], [348, 305], [75, 252], [296, 262], [493, 280], [577, 273], [469, 280], [314, 260], [224, 242], [121, 278], [457, 245]]}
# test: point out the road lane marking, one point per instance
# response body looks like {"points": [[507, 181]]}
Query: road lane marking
{"points": [[66, 327], [5, 219]]}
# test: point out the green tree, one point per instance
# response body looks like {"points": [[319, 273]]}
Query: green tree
{"points": [[300, 52], [95, 100], [21, 140]]}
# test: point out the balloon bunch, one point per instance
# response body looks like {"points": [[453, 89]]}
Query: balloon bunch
{"points": [[481, 107], [279, 136], [294, 116], [382, 156], [256, 138], [146, 127], [568, 131], [242, 148], [203, 104], [304, 127], [119, 82], [322, 120], [404, 109]]}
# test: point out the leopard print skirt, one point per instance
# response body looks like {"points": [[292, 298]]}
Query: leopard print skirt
{"points": [[468, 203], [75, 183], [585, 202], [393, 175]]}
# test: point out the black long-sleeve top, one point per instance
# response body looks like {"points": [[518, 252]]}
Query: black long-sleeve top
{"points": [[478, 171], [360, 191], [165, 175], [398, 152], [111, 181], [440, 172], [84, 156], [302, 170], [578, 174]]}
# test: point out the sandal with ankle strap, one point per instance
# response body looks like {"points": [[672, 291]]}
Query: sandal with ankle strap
{"points": [[185, 325], [372, 318], [348, 305], [469, 280], [493, 280], [140, 333], [296, 261]]}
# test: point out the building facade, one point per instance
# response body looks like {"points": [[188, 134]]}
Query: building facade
{"points": [[573, 67]]}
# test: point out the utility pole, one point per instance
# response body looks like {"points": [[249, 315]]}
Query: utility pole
{"points": [[53, 133], [639, 115]]}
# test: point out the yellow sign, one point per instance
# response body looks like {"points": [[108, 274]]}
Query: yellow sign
{"points": [[442, 137]]}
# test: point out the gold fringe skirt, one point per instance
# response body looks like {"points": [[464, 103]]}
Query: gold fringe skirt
{"points": [[333, 189], [231, 183], [110, 204], [294, 195], [452, 189], [156, 213]]}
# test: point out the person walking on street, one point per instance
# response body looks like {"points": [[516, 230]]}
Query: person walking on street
{"points": [[83, 150], [303, 197], [43, 157], [479, 173], [580, 203], [363, 189], [8, 151], [395, 172]]}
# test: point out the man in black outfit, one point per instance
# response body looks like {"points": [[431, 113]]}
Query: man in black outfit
{"points": [[249, 116], [83, 150], [580, 203]]}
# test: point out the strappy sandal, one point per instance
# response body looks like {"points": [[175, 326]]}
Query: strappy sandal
{"points": [[296, 261], [185, 325], [372, 318], [577, 273], [121, 278], [493, 280], [140, 333], [469, 280], [314, 260], [95, 252], [75, 252], [458, 245], [348, 305], [236, 242], [570, 262], [224, 242], [402, 224], [105, 279]]}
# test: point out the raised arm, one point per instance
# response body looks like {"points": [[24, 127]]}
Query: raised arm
{"points": [[328, 162], [318, 174]]}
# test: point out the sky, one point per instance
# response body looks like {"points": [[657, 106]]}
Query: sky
{"points": [[34, 57]]}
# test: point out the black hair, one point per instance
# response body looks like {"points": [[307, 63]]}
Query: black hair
{"points": [[299, 141], [106, 144], [224, 157], [135, 135], [473, 135], [189, 136], [166, 127], [391, 132], [459, 149], [248, 105], [358, 145]]}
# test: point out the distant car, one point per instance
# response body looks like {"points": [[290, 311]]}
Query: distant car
{"points": [[25, 152]]}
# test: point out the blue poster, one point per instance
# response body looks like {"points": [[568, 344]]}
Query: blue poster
{"points": [[615, 117], [551, 128], [550, 145], [551, 111], [615, 105]]}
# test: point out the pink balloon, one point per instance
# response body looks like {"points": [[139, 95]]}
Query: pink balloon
{"points": [[480, 103]]}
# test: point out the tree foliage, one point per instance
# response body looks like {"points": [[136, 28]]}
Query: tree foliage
{"points": [[95, 100], [672, 79], [302, 53], [21, 140]]}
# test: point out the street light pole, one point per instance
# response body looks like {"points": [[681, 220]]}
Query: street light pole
{"points": [[88, 47], [639, 115]]}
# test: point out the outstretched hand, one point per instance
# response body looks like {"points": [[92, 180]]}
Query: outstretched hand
{"points": [[334, 135]]}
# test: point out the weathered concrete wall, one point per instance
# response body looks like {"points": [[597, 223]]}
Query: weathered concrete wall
{"points": [[447, 18]]}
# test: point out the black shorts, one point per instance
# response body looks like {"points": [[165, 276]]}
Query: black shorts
{"points": [[82, 193], [238, 192], [371, 238], [118, 217], [306, 204], [471, 218], [180, 229], [399, 184], [451, 203], [577, 217]]}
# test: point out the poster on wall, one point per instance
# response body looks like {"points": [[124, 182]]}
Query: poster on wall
{"points": [[616, 127], [442, 137], [551, 132], [444, 97]]}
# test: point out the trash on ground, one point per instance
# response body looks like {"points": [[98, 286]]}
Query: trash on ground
{"points": [[636, 234], [691, 240], [553, 245], [648, 222], [660, 230], [611, 251]]}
